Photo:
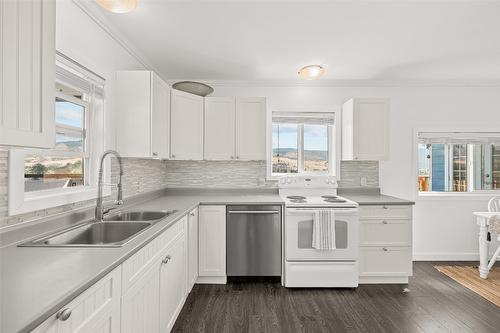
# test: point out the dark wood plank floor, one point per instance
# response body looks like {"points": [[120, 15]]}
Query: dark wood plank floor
{"points": [[435, 303]]}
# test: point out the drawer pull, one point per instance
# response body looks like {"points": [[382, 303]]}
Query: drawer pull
{"points": [[166, 260], [384, 222], [385, 207], [384, 249], [64, 314]]}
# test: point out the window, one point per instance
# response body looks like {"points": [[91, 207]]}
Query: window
{"points": [[301, 143], [40, 179], [64, 166], [458, 162]]}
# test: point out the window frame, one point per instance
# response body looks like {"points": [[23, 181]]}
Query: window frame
{"points": [[334, 141], [431, 195], [20, 202]]}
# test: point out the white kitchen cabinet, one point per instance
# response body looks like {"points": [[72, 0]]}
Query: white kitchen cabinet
{"points": [[143, 120], [96, 310], [172, 283], [186, 129], [192, 248], [27, 62], [365, 129], [212, 244], [141, 303], [385, 244], [219, 128], [251, 127]]}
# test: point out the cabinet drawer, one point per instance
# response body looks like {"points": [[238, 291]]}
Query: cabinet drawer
{"points": [[97, 307], [321, 274], [138, 264], [385, 261], [394, 211], [391, 232]]}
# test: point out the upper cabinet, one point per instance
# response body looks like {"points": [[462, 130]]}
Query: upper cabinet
{"points": [[27, 67], [143, 122], [235, 128], [365, 129], [250, 128], [219, 128], [186, 126]]}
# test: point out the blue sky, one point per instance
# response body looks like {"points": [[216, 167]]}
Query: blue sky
{"points": [[315, 136], [69, 114]]}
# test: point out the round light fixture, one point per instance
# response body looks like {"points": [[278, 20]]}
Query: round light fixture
{"points": [[118, 6], [311, 72]]}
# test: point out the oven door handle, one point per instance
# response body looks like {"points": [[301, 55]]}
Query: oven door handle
{"points": [[254, 212]]}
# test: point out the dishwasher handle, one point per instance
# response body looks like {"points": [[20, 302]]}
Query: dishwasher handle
{"points": [[254, 212]]}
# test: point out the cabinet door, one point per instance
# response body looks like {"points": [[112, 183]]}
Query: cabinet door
{"points": [[251, 128], [27, 62], [192, 248], [141, 304], [172, 284], [133, 122], [186, 129], [160, 118], [212, 241], [219, 128], [96, 310]]}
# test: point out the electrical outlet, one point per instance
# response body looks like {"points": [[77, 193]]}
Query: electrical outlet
{"points": [[363, 182]]}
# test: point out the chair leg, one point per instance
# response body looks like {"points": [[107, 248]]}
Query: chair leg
{"points": [[494, 258]]}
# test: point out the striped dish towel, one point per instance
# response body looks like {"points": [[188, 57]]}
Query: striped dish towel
{"points": [[324, 230]]}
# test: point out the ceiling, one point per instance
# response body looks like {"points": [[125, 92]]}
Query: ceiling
{"points": [[355, 40]]}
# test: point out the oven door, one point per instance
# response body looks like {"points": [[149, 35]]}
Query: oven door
{"points": [[299, 230]]}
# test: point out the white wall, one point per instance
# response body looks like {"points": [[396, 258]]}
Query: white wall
{"points": [[443, 228], [81, 39]]}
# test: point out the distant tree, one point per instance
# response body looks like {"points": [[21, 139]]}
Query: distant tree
{"points": [[38, 169]]}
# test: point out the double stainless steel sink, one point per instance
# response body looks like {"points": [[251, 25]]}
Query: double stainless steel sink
{"points": [[114, 231]]}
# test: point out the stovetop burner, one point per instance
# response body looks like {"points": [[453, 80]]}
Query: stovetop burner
{"points": [[329, 196], [298, 200], [296, 197]]}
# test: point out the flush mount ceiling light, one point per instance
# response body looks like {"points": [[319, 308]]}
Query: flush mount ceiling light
{"points": [[311, 72], [118, 6]]}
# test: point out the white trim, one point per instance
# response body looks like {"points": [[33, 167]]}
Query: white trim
{"points": [[447, 256], [94, 12]]}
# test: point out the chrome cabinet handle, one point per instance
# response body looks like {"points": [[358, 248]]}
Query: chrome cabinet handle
{"points": [[385, 207], [384, 222], [155, 154], [254, 212], [384, 249], [64, 314], [166, 259]]}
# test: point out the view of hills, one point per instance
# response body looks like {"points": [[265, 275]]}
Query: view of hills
{"points": [[314, 155]]}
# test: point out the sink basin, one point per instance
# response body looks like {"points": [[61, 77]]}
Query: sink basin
{"points": [[98, 234], [139, 216]]}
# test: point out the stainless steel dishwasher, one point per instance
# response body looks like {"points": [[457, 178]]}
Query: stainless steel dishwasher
{"points": [[253, 240]]}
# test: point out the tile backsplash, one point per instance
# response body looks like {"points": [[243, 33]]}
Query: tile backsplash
{"points": [[142, 175]]}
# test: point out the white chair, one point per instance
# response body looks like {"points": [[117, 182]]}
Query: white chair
{"points": [[494, 206]]}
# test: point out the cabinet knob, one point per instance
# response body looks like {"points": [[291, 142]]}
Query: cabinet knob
{"points": [[155, 154], [384, 249], [232, 157], [385, 207], [173, 156], [166, 259], [384, 222], [237, 157], [64, 314], [192, 214]]}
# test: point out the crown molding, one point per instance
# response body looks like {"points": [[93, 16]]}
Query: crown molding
{"points": [[345, 83], [92, 10]]}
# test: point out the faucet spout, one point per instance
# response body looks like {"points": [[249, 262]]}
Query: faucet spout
{"points": [[99, 209]]}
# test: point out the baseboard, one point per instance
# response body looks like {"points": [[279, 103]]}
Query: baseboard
{"points": [[383, 280], [211, 280], [465, 256]]}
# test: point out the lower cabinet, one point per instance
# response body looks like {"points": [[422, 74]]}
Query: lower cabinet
{"points": [[212, 244], [192, 248], [172, 284], [385, 254], [97, 309]]}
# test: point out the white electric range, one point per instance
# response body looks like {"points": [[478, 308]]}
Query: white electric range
{"points": [[306, 266]]}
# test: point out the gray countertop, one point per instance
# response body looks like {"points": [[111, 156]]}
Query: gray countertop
{"points": [[35, 282]]}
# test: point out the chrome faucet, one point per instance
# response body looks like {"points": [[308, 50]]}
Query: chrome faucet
{"points": [[99, 209]]}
